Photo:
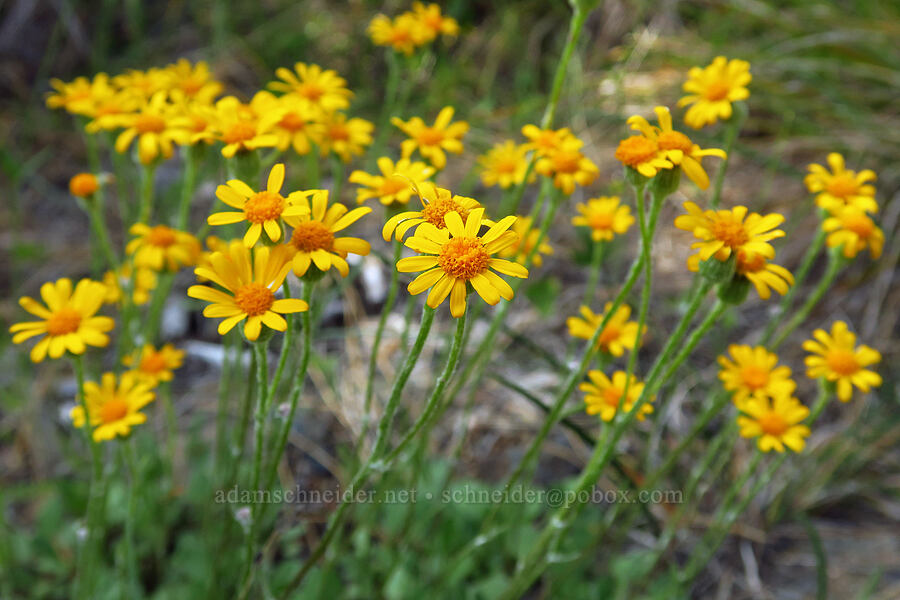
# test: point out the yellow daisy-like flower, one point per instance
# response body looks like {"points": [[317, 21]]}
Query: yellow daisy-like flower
{"points": [[505, 165], [567, 165], [643, 155], [841, 187], [434, 23], [458, 256], [345, 137], [434, 140], [194, 81], [676, 147], [392, 186], [403, 33], [619, 335], [527, 238], [243, 127], [853, 230], [725, 231], [606, 217], [546, 141], [604, 396], [758, 271], [84, 185], [144, 84], [437, 203], [300, 124], [712, 89], [157, 129], [775, 422], [324, 89], [198, 119], [263, 210], [153, 366], [161, 247], [75, 97], [67, 319], [145, 281], [114, 407], [836, 358], [251, 281], [754, 371], [313, 241]]}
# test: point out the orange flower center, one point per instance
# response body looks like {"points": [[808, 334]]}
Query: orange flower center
{"points": [[601, 221], [610, 334], [161, 236], [400, 36], [464, 257], [772, 423], [310, 90], [506, 165], [717, 90], [392, 185], [264, 206], [198, 124], [730, 231], [83, 185], [430, 136], [292, 122], [842, 186], [674, 140], [635, 150], [312, 235], [239, 132], [750, 262], [842, 361], [153, 363], [191, 85], [149, 124], [254, 299], [755, 377], [566, 161], [339, 133], [859, 224], [434, 211], [63, 321], [113, 410]]}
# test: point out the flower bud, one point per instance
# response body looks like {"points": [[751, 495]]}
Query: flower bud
{"points": [[734, 291], [717, 271]]}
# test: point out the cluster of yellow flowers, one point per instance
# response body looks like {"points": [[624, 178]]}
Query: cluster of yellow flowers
{"points": [[412, 29]]}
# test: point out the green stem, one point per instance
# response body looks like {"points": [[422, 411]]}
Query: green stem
{"points": [[171, 427], [576, 25], [147, 174], [734, 127], [158, 304], [101, 232], [381, 440], [130, 554], [389, 107], [312, 167], [835, 262], [337, 174], [590, 290], [193, 156], [376, 343]]}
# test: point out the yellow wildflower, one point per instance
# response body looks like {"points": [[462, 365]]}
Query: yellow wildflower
{"points": [[436, 202], [605, 216], [392, 186], [837, 358], [725, 231], [619, 335], [527, 238], [324, 89], [432, 141], [841, 186], [775, 423], [153, 366], [161, 247], [712, 90], [113, 407], [568, 166], [853, 230], [604, 396], [505, 165], [754, 371]]}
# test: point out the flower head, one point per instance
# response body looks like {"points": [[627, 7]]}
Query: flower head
{"points": [[643, 155], [567, 165], [113, 407], [754, 371], [527, 239], [606, 217], [144, 84], [145, 281], [841, 187], [392, 185], [604, 396], [67, 319], [433, 141], [775, 422], [154, 365], [300, 124], [546, 141], [619, 335], [676, 147], [244, 127], [433, 22], [404, 33], [837, 358], [157, 127], [712, 89], [193, 81], [505, 165], [725, 231], [458, 256], [853, 230], [161, 247], [84, 185], [263, 210], [313, 240], [250, 283], [437, 203], [75, 97], [323, 88], [345, 137]]}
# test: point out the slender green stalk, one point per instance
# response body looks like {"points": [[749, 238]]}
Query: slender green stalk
{"points": [[97, 217], [337, 174], [389, 107], [590, 290], [296, 387], [286, 344], [312, 167], [157, 305], [84, 581], [383, 432], [734, 127], [799, 278], [130, 554], [259, 426], [146, 203], [835, 262], [376, 343], [192, 158], [165, 393], [407, 322], [576, 25]]}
